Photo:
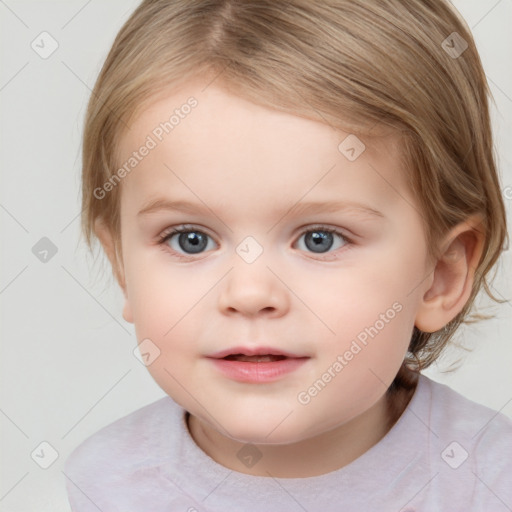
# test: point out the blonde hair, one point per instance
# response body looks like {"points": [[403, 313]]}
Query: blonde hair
{"points": [[363, 67]]}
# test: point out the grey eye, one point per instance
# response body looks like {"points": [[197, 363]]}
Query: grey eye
{"points": [[190, 242], [321, 240]]}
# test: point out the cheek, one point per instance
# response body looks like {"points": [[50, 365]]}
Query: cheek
{"points": [[379, 296], [165, 311], [166, 303], [371, 309], [354, 372], [160, 293]]}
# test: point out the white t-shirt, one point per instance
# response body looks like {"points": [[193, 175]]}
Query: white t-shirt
{"points": [[445, 453]]}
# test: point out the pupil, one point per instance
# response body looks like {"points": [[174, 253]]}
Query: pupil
{"points": [[192, 239]]}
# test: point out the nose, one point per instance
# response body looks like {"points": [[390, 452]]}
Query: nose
{"points": [[253, 289]]}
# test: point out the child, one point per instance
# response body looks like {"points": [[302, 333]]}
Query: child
{"points": [[257, 131]]}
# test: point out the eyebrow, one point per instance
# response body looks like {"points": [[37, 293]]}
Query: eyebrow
{"points": [[163, 204]]}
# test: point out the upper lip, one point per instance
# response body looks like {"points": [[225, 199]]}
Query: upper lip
{"points": [[254, 351]]}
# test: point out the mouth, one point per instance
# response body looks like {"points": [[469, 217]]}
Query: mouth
{"points": [[256, 365], [255, 354], [266, 358]]}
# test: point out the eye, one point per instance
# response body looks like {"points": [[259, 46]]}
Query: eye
{"points": [[322, 239], [187, 239]]}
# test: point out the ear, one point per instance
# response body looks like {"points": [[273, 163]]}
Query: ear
{"points": [[106, 239], [451, 283]]}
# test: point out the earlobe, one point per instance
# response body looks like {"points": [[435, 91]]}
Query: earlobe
{"points": [[451, 284]]}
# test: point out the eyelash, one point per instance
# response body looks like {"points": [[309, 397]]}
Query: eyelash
{"points": [[169, 233]]}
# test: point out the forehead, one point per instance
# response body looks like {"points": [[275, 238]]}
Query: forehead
{"points": [[210, 144]]}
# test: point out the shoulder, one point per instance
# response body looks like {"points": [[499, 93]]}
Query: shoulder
{"points": [[137, 432], [452, 413], [471, 443], [134, 445]]}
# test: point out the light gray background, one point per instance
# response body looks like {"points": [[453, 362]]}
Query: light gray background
{"points": [[67, 355]]}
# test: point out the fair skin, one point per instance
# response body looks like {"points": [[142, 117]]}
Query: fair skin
{"points": [[250, 165]]}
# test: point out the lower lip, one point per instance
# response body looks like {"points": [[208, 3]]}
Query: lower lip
{"points": [[244, 371]]}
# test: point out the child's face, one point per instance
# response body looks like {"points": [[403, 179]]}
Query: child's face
{"points": [[347, 306]]}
